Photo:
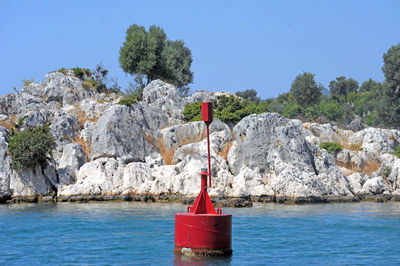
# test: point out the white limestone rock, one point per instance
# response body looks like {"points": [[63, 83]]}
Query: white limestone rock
{"points": [[30, 182], [377, 140], [159, 94], [5, 169], [72, 159], [391, 170], [376, 186], [250, 183], [357, 181], [122, 132], [103, 176]]}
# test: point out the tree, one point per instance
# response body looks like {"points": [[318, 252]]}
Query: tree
{"points": [[342, 86], [250, 95], [370, 85], [176, 61], [150, 54], [305, 90], [389, 105]]}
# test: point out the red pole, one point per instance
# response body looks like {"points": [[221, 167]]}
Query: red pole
{"points": [[208, 151]]}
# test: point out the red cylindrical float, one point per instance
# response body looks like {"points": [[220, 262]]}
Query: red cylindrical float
{"points": [[203, 234]]}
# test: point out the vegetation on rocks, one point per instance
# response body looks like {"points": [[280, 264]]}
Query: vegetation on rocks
{"points": [[97, 79], [127, 101], [229, 109], [397, 152], [331, 147], [28, 82], [192, 112], [30, 147]]}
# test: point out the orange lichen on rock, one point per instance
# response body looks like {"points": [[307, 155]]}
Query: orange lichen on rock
{"points": [[85, 146]]}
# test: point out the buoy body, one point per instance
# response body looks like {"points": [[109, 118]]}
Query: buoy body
{"points": [[203, 234], [202, 230]]}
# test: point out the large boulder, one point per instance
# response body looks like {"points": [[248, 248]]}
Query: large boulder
{"points": [[100, 177], [357, 180], [159, 94], [261, 139], [72, 159], [7, 104], [122, 132], [356, 125], [391, 170], [5, 170], [276, 148], [29, 183], [35, 119], [64, 127], [317, 133], [376, 186], [376, 140], [65, 88]]}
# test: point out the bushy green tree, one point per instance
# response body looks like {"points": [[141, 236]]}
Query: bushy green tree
{"points": [[149, 53], [370, 85], [31, 147], [176, 61], [250, 95], [292, 110], [305, 90], [141, 51], [330, 109], [342, 86], [389, 104]]}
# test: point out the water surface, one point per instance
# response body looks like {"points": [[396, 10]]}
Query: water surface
{"points": [[143, 233]]}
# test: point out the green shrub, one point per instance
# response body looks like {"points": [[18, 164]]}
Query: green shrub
{"points": [[132, 95], [28, 82], [291, 110], [331, 147], [397, 152], [371, 119], [233, 109], [331, 109], [31, 147], [229, 109], [127, 101], [63, 71], [192, 112], [20, 121], [81, 73], [89, 84]]}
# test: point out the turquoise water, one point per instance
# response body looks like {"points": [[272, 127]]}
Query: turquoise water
{"points": [[143, 233]]}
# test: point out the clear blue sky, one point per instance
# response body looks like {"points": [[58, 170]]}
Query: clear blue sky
{"points": [[236, 45]]}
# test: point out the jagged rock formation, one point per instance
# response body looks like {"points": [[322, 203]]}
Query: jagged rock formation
{"points": [[107, 150]]}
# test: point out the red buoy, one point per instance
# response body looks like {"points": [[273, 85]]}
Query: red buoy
{"points": [[202, 230]]}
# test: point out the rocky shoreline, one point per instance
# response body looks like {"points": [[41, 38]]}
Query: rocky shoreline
{"points": [[233, 202], [147, 152]]}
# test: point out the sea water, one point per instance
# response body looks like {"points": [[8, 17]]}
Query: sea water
{"points": [[122, 233]]}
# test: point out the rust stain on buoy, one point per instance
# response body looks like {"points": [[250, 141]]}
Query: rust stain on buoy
{"points": [[202, 230]]}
